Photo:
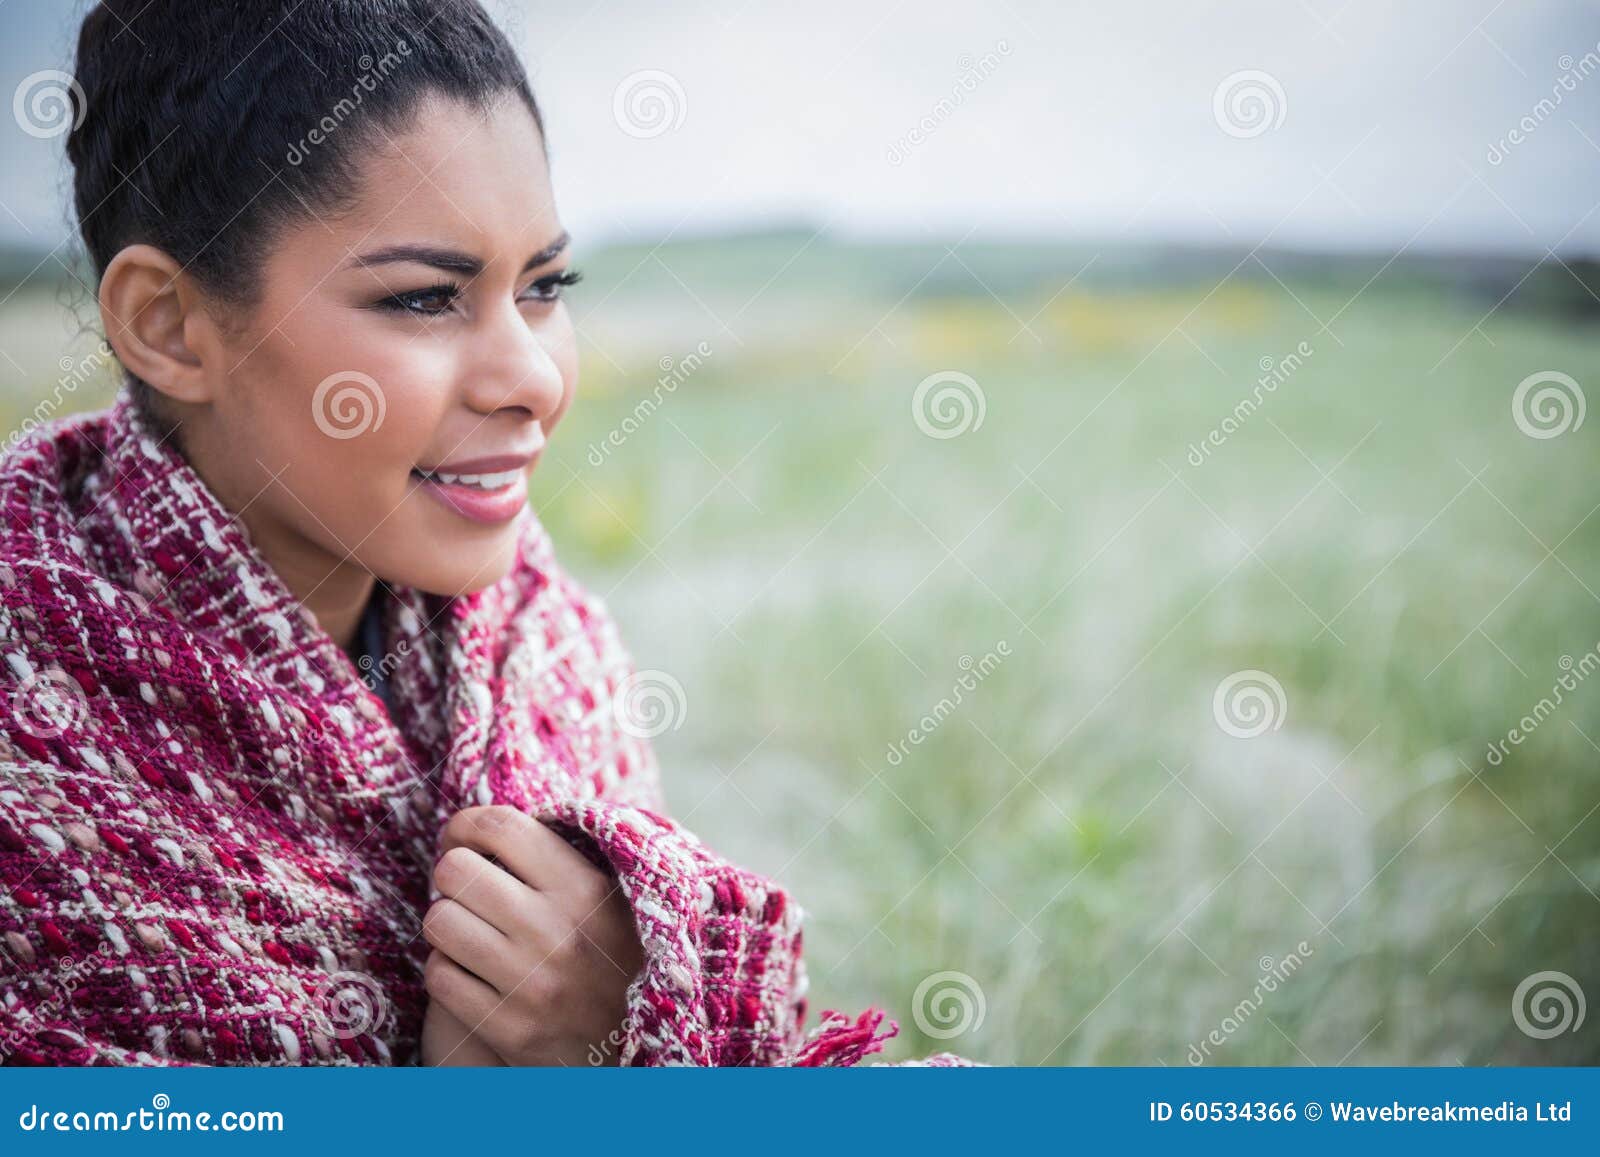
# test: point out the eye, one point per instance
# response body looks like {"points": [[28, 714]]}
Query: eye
{"points": [[549, 289], [435, 299]]}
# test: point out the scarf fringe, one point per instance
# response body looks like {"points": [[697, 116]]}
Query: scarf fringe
{"points": [[837, 1041]]}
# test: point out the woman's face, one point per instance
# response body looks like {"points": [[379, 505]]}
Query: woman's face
{"points": [[421, 330]]}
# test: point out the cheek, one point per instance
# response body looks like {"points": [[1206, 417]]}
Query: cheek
{"points": [[346, 410], [357, 386], [386, 413]]}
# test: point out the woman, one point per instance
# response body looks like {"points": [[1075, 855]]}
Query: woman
{"points": [[331, 265]]}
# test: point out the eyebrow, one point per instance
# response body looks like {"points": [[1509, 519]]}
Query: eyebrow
{"points": [[452, 260]]}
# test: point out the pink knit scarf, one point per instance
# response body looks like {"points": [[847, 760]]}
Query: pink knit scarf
{"points": [[215, 842]]}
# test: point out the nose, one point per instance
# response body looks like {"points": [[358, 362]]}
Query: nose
{"points": [[515, 368]]}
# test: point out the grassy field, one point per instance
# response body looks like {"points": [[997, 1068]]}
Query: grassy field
{"points": [[1086, 859]]}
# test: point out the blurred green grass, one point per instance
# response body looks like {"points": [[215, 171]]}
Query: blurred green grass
{"points": [[1080, 838]]}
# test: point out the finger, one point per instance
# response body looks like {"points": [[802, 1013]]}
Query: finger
{"points": [[528, 849], [490, 892], [453, 1040], [490, 1015], [463, 995], [469, 940]]}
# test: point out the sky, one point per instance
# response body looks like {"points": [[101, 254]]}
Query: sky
{"points": [[1316, 124]]}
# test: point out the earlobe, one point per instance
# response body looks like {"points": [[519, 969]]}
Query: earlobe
{"points": [[149, 310]]}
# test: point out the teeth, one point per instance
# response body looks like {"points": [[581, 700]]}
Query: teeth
{"points": [[480, 481]]}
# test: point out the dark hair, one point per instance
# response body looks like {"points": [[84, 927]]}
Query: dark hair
{"points": [[205, 128]]}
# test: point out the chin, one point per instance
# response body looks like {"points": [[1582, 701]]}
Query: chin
{"points": [[465, 573]]}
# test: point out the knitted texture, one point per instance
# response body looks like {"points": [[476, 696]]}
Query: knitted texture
{"points": [[216, 844]]}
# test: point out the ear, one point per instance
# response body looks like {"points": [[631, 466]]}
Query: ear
{"points": [[154, 320]]}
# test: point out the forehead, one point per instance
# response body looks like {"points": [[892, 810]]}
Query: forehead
{"points": [[461, 176]]}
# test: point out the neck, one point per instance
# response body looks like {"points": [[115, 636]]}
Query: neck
{"points": [[334, 589]]}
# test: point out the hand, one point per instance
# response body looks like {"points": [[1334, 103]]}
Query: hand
{"points": [[534, 951], [446, 1041]]}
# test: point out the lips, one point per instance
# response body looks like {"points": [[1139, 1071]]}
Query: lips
{"points": [[496, 463], [489, 489], [478, 503]]}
